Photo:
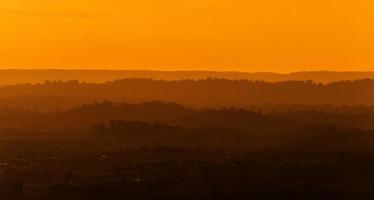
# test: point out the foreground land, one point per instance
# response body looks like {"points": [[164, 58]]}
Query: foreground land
{"points": [[229, 139], [177, 173]]}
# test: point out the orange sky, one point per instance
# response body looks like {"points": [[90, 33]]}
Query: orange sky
{"points": [[239, 35]]}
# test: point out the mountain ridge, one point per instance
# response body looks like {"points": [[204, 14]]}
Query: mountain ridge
{"points": [[20, 76]]}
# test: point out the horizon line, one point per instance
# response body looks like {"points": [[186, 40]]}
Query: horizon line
{"points": [[214, 71]]}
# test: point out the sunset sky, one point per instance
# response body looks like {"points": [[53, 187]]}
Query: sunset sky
{"points": [[224, 35]]}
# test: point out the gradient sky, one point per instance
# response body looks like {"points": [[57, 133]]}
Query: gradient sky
{"points": [[238, 35]]}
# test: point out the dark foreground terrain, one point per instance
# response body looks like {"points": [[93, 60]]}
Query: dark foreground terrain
{"points": [[157, 150], [176, 173]]}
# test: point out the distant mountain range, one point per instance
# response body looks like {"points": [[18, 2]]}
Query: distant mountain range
{"points": [[8, 77], [58, 95]]}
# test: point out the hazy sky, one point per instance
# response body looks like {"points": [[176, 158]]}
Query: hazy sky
{"points": [[241, 35]]}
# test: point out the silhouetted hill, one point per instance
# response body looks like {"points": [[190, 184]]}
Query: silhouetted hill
{"points": [[112, 150], [79, 118], [313, 138], [99, 76], [200, 93]]}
